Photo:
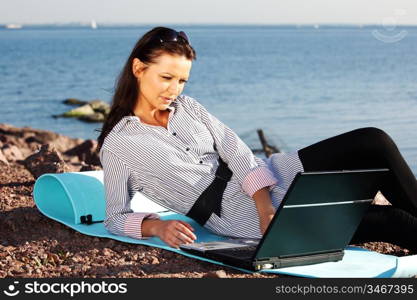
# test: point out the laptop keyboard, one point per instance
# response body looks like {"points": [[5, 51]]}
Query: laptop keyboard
{"points": [[239, 252]]}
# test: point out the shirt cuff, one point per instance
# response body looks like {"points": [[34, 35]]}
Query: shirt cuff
{"points": [[258, 179], [133, 224]]}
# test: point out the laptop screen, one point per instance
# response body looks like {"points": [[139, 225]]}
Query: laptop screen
{"points": [[320, 212]]}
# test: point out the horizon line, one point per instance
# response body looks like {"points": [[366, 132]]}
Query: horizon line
{"points": [[85, 23]]}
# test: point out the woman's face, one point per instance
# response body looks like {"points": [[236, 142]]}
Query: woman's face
{"points": [[161, 82]]}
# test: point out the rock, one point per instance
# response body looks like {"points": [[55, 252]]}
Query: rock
{"points": [[82, 150], [40, 136], [100, 106], [94, 111], [86, 152], [3, 137], [96, 117], [29, 139], [107, 252], [154, 260], [90, 168], [65, 268], [216, 274], [77, 258], [47, 160], [24, 148], [73, 160], [12, 153], [17, 267], [8, 129], [3, 159], [9, 248], [63, 143], [32, 139], [74, 101], [79, 111]]}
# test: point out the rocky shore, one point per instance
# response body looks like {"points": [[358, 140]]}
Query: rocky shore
{"points": [[32, 245]]}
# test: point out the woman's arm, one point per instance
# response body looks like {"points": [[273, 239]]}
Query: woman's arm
{"points": [[266, 210], [120, 218]]}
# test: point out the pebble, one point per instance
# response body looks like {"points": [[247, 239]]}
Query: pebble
{"points": [[17, 270], [65, 269], [216, 274], [9, 248], [107, 252], [154, 260], [55, 258]]}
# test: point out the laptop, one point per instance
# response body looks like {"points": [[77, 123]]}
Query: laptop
{"points": [[314, 223]]}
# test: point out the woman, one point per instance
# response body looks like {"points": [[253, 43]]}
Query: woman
{"points": [[168, 146]]}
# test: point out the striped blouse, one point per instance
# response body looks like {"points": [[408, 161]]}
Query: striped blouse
{"points": [[172, 166]]}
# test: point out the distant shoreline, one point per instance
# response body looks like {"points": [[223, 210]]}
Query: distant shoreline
{"points": [[139, 25]]}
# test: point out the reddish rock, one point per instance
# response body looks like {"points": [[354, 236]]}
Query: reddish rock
{"points": [[3, 137], [7, 129], [47, 160], [107, 252], [61, 143], [73, 160], [12, 153], [216, 274], [30, 139], [3, 159], [85, 152], [90, 168], [154, 260]]}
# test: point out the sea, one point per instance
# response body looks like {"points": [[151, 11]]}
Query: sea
{"points": [[299, 84]]}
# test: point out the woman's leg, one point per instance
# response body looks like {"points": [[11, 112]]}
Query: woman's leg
{"points": [[372, 148], [366, 148], [388, 224]]}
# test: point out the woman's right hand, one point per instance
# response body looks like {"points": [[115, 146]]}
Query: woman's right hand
{"points": [[174, 232]]}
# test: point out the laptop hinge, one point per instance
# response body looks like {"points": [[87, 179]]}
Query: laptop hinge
{"points": [[289, 261]]}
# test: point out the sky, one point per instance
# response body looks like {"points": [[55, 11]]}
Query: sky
{"points": [[210, 11]]}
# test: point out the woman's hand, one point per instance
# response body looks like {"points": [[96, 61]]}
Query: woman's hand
{"points": [[172, 232]]}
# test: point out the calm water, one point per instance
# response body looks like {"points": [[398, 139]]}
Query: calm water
{"points": [[300, 85]]}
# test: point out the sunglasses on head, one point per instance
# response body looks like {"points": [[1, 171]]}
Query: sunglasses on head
{"points": [[171, 36]]}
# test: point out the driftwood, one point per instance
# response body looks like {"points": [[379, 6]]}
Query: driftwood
{"points": [[267, 148]]}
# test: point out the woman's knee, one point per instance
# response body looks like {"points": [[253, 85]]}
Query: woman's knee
{"points": [[375, 135]]}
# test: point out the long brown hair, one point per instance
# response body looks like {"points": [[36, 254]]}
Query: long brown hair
{"points": [[126, 89]]}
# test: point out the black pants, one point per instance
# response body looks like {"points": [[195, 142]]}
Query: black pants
{"points": [[368, 148]]}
